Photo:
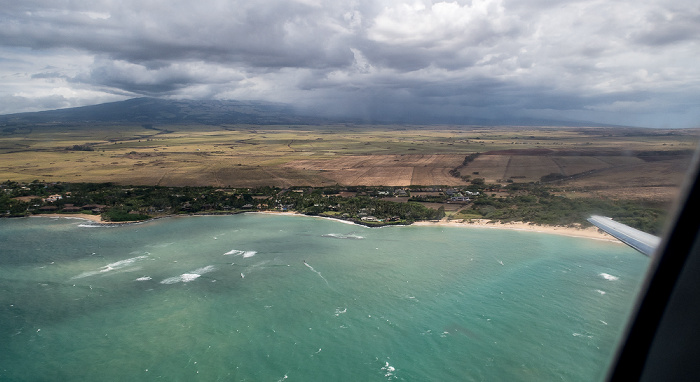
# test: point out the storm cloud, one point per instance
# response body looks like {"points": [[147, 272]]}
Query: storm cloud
{"points": [[623, 62]]}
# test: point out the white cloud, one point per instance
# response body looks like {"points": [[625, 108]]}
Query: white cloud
{"points": [[442, 24]]}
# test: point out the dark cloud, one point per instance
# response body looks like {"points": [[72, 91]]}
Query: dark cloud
{"points": [[273, 34], [592, 60], [665, 27]]}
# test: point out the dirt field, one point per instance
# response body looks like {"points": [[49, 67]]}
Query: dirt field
{"points": [[387, 170], [595, 160], [530, 168]]}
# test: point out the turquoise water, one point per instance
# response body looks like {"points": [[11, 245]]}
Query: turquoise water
{"points": [[290, 298]]}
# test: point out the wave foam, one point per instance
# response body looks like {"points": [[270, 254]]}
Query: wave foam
{"points": [[388, 370], [111, 267], [144, 278], [87, 225], [189, 276], [342, 236], [609, 277], [237, 252], [203, 270], [317, 272]]}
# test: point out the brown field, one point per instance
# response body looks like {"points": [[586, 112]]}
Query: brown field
{"points": [[600, 161], [530, 168], [386, 170]]}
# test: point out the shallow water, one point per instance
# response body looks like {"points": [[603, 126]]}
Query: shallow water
{"points": [[269, 298]]}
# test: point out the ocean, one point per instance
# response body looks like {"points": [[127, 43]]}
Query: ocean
{"points": [[262, 297]]}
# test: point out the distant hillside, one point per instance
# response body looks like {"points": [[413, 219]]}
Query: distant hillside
{"points": [[212, 112], [160, 111]]}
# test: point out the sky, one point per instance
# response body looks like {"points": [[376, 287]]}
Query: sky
{"points": [[628, 62]]}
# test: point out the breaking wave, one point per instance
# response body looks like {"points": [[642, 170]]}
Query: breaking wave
{"points": [[609, 277], [111, 267], [236, 252], [189, 276], [388, 370], [342, 236]]}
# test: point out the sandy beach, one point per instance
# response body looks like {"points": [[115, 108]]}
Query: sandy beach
{"points": [[92, 218], [589, 233]]}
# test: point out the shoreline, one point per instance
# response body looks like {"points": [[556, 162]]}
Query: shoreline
{"points": [[588, 233], [92, 218]]}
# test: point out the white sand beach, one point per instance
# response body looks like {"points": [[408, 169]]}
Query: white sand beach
{"points": [[590, 232]]}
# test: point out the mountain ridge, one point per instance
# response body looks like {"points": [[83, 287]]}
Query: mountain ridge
{"points": [[216, 112]]}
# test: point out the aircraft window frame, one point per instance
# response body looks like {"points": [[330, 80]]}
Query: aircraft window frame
{"points": [[654, 343]]}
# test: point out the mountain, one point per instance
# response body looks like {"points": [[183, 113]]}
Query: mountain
{"points": [[216, 112], [161, 111]]}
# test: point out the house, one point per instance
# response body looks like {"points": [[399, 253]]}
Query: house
{"points": [[53, 198], [96, 208], [71, 208]]}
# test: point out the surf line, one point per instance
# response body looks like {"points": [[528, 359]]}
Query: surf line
{"points": [[317, 272]]}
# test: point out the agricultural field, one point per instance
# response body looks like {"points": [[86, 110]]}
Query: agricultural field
{"points": [[587, 161]]}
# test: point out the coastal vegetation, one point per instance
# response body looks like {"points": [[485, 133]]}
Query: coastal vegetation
{"points": [[372, 206]]}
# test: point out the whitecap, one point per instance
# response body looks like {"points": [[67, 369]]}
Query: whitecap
{"points": [[111, 267], [189, 276], [609, 277], [203, 270], [600, 291], [388, 370], [237, 252], [341, 236], [144, 278], [172, 280]]}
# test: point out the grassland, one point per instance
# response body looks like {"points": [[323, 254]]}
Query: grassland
{"points": [[609, 162]]}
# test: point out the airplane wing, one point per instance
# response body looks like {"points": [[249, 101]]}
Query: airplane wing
{"points": [[641, 241]]}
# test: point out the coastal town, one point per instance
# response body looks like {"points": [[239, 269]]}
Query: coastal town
{"points": [[370, 206]]}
